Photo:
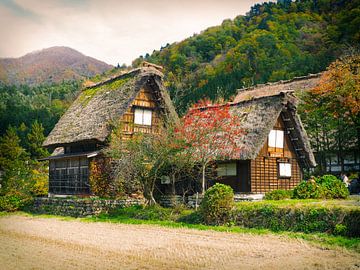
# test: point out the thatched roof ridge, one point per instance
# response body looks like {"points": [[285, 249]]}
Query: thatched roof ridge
{"points": [[91, 114], [269, 89]]}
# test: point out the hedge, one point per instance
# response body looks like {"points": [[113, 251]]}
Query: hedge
{"points": [[307, 218]]}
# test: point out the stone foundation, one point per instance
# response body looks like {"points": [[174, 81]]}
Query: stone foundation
{"points": [[79, 207]]}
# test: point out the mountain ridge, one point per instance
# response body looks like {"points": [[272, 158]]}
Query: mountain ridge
{"points": [[50, 65]]}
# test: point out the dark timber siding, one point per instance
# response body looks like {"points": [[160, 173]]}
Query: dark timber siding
{"points": [[69, 176]]}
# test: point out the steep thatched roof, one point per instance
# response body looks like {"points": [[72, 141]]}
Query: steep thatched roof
{"points": [[258, 108], [261, 106], [89, 117], [269, 89], [259, 116]]}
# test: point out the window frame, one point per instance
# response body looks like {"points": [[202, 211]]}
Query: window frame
{"points": [[284, 175], [143, 110]]}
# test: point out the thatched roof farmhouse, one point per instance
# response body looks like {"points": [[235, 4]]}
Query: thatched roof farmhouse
{"points": [[274, 147], [137, 99]]}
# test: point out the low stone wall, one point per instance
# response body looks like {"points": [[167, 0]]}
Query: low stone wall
{"points": [[170, 200], [192, 200], [79, 207]]}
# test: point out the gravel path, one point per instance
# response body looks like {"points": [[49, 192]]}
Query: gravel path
{"points": [[39, 243]]}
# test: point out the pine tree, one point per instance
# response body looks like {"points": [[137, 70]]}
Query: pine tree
{"points": [[35, 139], [14, 162]]}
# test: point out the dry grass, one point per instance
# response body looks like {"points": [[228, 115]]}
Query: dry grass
{"points": [[38, 243]]}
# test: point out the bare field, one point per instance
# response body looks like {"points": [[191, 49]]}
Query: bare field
{"points": [[39, 243]]}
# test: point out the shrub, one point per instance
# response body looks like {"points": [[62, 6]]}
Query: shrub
{"points": [[340, 229], [14, 200], [326, 186], [333, 188], [279, 194], [308, 190], [217, 205], [41, 183]]}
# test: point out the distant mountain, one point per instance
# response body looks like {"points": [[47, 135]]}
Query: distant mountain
{"points": [[50, 65]]}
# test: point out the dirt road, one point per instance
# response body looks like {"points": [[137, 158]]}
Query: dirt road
{"points": [[38, 243]]}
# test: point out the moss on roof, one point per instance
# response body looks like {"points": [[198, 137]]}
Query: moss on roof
{"points": [[87, 94]]}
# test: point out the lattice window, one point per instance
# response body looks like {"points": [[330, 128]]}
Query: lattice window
{"points": [[226, 169], [69, 176]]}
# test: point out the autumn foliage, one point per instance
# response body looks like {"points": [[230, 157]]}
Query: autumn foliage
{"points": [[211, 133], [340, 87]]}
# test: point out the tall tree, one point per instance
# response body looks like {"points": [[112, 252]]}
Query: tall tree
{"points": [[35, 139]]}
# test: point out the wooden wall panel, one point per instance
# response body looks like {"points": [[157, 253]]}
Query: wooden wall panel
{"points": [[146, 99], [265, 177], [264, 169]]}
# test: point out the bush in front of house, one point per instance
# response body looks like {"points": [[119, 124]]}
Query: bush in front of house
{"points": [[14, 200], [279, 194], [308, 190], [324, 187], [217, 205], [333, 188]]}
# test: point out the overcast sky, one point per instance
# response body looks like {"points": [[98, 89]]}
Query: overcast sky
{"points": [[109, 30]]}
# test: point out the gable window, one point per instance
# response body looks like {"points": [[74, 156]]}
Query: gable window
{"points": [[276, 139], [285, 170], [142, 116], [226, 169]]}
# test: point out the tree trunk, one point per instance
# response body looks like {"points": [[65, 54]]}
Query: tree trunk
{"points": [[173, 189], [203, 179]]}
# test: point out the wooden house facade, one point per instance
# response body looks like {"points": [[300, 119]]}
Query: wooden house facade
{"points": [[275, 149], [135, 101]]}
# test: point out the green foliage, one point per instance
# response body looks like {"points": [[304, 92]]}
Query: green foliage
{"points": [[14, 200], [279, 194], [217, 204], [21, 177], [308, 190], [306, 218], [145, 158], [35, 140], [327, 186], [272, 42], [340, 229], [40, 180], [333, 188], [44, 103]]}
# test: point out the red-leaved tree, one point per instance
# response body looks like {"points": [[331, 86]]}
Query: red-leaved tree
{"points": [[211, 132]]}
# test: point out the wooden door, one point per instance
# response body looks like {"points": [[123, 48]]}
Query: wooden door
{"points": [[243, 172]]}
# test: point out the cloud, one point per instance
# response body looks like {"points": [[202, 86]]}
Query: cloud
{"points": [[18, 10], [115, 31]]}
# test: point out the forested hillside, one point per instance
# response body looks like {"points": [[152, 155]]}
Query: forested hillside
{"points": [[273, 41], [21, 105]]}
